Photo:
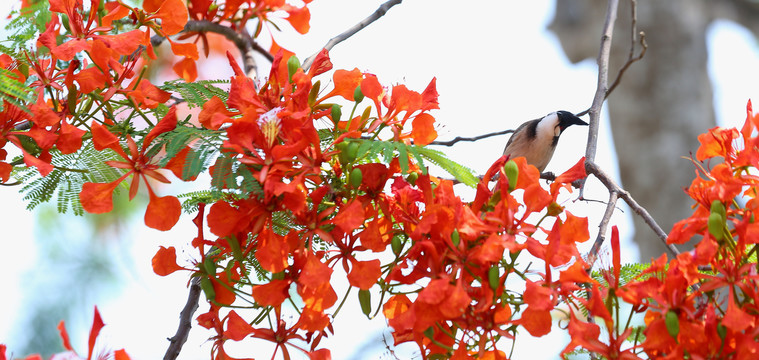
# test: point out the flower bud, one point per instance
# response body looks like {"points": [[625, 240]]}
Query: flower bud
{"points": [[494, 278], [672, 323], [365, 299], [455, 238], [716, 226], [356, 177], [358, 96], [207, 287], [511, 170], [336, 113], [293, 64]]}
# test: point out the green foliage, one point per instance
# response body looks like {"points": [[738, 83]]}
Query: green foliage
{"points": [[230, 174], [25, 26], [204, 146], [14, 92], [374, 150], [197, 93], [195, 198], [66, 179], [627, 273]]}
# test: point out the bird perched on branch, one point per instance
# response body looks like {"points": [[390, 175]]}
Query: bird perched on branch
{"points": [[536, 139]]}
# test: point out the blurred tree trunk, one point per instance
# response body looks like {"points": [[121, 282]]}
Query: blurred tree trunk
{"points": [[663, 102]]}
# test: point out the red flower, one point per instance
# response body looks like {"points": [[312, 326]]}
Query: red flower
{"points": [[162, 212]]}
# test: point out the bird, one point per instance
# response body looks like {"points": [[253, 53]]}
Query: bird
{"points": [[536, 139]]}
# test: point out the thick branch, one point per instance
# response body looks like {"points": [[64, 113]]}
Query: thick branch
{"points": [[185, 321], [380, 12]]}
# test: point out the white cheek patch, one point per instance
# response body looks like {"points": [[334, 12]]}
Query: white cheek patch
{"points": [[557, 131]]}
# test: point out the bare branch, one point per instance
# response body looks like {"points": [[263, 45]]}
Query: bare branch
{"points": [[631, 58], [602, 226], [380, 12], [601, 87], [592, 168], [185, 323], [602, 92], [474, 138]]}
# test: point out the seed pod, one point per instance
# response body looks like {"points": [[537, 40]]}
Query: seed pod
{"points": [[207, 287], [356, 177], [365, 299], [511, 170], [672, 323], [494, 278], [716, 226]]}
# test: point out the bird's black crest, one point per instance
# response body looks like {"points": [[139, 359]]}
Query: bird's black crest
{"points": [[567, 119]]}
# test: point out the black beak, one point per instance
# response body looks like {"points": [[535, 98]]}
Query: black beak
{"points": [[566, 119]]}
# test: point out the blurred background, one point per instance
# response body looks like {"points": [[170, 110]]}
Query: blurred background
{"points": [[497, 64]]}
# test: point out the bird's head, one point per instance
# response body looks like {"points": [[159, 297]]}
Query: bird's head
{"points": [[567, 119]]}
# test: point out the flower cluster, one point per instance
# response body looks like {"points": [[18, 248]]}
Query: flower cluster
{"points": [[300, 194]]}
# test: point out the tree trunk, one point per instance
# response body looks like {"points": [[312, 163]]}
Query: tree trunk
{"points": [[662, 104]]}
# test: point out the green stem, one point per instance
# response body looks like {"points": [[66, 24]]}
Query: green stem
{"points": [[342, 302]]}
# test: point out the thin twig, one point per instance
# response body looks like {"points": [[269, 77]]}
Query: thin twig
{"points": [[545, 176], [602, 226], [185, 322], [353, 30], [474, 138], [631, 58]]}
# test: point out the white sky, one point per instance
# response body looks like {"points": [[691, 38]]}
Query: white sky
{"points": [[495, 68]]}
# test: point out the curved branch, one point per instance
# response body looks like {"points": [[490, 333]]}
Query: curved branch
{"points": [[631, 58], [380, 12], [242, 40], [618, 192], [185, 323]]}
